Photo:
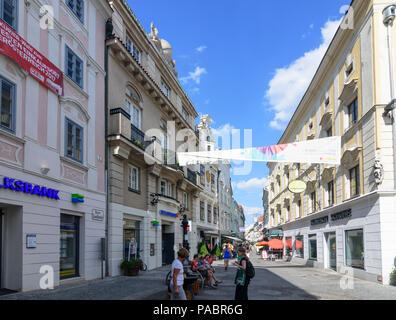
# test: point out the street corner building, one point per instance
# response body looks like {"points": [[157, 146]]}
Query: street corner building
{"points": [[345, 219], [52, 141]]}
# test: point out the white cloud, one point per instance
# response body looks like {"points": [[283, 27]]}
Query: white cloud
{"points": [[194, 76], [252, 185], [253, 211], [201, 48], [289, 83]]}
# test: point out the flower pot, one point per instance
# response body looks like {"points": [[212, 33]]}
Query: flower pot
{"points": [[131, 272]]}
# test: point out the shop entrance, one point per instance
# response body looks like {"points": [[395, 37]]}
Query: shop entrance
{"points": [[331, 251], [168, 243], [69, 246]]}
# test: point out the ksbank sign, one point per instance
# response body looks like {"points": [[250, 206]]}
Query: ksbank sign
{"points": [[25, 187]]}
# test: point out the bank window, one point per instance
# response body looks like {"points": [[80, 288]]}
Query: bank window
{"points": [[69, 246], [77, 6], [354, 248], [9, 12], [354, 181], [133, 49], [74, 67], [7, 105], [330, 193], [353, 112], [133, 181], [312, 240], [299, 246], [74, 141]]}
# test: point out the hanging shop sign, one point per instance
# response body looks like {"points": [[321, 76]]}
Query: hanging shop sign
{"points": [[341, 215], [322, 220], [297, 186], [321, 151], [170, 214], [28, 58], [25, 187]]}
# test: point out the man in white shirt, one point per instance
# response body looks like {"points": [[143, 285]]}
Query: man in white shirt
{"points": [[177, 279]]}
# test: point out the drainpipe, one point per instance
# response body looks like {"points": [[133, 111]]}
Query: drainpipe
{"points": [[109, 33], [389, 14]]}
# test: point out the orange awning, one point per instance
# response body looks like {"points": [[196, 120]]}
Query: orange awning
{"points": [[276, 244]]}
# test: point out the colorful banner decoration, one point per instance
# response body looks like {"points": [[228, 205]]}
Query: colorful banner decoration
{"points": [[321, 151], [28, 58]]}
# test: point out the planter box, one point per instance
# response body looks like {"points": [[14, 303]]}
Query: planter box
{"points": [[131, 273]]}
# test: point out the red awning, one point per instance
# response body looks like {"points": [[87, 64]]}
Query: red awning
{"points": [[276, 244]]}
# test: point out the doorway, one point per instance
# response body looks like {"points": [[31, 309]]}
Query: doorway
{"points": [[168, 253], [331, 251], [69, 246]]}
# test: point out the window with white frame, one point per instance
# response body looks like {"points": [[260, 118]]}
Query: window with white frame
{"points": [[312, 197], [185, 200], [353, 112], [298, 209], [330, 193], [135, 113], [133, 49], [77, 6], [209, 213], [7, 105], [354, 181], [165, 89], [74, 67], [9, 12], [163, 187], [74, 137], [185, 115], [133, 181]]}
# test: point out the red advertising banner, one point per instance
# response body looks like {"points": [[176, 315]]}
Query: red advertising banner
{"points": [[38, 66]]}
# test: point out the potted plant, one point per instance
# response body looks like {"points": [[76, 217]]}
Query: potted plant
{"points": [[393, 278], [131, 267]]}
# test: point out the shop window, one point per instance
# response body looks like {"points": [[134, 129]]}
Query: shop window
{"points": [[131, 235], [77, 6], [354, 248], [69, 246], [74, 136], [299, 246], [7, 105], [312, 240], [74, 67], [9, 12], [354, 181], [289, 246], [133, 181]]}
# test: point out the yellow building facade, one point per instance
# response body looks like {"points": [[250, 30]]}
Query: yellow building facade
{"points": [[345, 219]]}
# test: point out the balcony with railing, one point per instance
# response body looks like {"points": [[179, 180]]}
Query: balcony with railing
{"points": [[191, 176], [137, 137]]}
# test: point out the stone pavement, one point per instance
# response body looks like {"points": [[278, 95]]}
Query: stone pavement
{"points": [[273, 281]]}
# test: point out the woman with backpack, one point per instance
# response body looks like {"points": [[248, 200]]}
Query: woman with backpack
{"points": [[244, 274]]}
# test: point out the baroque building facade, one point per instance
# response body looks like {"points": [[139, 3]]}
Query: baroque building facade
{"points": [[345, 219], [149, 115]]}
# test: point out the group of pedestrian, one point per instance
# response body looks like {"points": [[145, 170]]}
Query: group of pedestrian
{"points": [[245, 271]]}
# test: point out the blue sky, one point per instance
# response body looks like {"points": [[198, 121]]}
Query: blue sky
{"points": [[246, 63]]}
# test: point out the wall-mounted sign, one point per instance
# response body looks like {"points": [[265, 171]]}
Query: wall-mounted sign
{"points": [[25, 187], [75, 197], [28, 58], [170, 214], [322, 220], [31, 241], [97, 215], [297, 186], [341, 215]]}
